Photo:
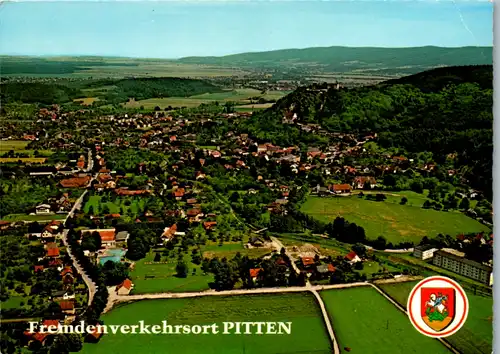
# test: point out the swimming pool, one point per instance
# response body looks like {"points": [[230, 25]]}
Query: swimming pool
{"points": [[114, 255]]}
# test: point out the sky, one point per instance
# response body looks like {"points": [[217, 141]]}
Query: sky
{"points": [[173, 29]]}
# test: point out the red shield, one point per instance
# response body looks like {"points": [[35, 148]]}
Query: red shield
{"points": [[437, 307]]}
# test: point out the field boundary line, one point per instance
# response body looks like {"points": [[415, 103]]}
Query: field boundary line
{"points": [[394, 302], [326, 319]]}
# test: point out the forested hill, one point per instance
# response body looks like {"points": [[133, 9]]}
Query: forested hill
{"points": [[441, 111], [107, 90], [436, 79], [347, 59]]}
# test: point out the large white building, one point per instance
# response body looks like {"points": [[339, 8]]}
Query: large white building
{"points": [[463, 266], [424, 252]]}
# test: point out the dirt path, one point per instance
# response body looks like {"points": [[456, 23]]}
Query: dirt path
{"points": [[326, 319], [278, 246]]}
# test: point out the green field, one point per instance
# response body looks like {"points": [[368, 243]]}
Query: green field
{"points": [[13, 302], [239, 95], [308, 332], [16, 145], [393, 221], [26, 217], [164, 277], [476, 336], [135, 207], [229, 250], [105, 67], [365, 321], [19, 146]]}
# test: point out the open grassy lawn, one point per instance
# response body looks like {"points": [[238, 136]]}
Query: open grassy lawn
{"points": [[308, 332], [86, 100], [365, 321], [26, 217], [327, 247], [414, 198], [19, 146], [476, 336], [229, 250], [394, 221], [13, 302], [39, 160], [16, 145], [160, 277], [135, 207], [153, 277]]}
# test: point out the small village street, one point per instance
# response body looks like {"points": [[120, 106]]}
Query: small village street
{"points": [[77, 206]]}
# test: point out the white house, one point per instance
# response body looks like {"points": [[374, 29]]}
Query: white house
{"points": [[43, 209], [352, 257], [424, 252]]}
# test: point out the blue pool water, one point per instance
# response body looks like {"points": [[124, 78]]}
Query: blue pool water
{"points": [[114, 255]]}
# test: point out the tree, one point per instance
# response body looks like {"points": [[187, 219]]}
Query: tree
{"points": [[359, 249], [105, 209], [182, 269], [380, 243], [157, 257], [464, 204], [358, 265]]}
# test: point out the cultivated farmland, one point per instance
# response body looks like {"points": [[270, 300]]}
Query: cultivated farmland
{"points": [[394, 221], [366, 322], [19, 146], [308, 332], [239, 95], [476, 336]]}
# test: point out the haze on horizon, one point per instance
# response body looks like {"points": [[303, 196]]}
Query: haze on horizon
{"points": [[178, 29]]}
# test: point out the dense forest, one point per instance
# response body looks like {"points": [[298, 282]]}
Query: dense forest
{"points": [[37, 92], [114, 91], [145, 88], [443, 111]]}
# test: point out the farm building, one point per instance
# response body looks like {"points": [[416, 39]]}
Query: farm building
{"points": [[124, 287]]}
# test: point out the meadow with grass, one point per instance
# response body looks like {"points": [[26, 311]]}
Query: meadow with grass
{"points": [[308, 332], [155, 277], [242, 97], [392, 220], [476, 336], [358, 324], [161, 276], [127, 207]]}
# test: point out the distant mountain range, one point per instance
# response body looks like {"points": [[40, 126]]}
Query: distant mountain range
{"points": [[290, 62], [351, 59]]}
